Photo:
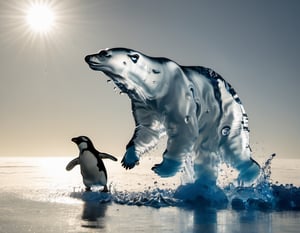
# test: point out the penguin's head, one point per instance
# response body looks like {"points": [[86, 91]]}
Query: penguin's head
{"points": [[83, 142]]}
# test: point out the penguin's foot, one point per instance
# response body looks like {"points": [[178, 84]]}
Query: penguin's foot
{"points": [[88, 189]]}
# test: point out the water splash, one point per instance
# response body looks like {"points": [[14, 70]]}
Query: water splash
{"points": [[257, 196], [153, 197], [262, 195]]}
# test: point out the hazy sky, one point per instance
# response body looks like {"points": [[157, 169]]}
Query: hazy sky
{"points": [[49, 95]]}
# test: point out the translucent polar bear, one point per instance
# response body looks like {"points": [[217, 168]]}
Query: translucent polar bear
{"points": [[197, 109]]}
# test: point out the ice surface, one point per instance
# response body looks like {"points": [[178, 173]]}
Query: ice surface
{"points": [[199, 111], [36, 199]]}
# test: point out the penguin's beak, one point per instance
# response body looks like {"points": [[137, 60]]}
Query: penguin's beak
{"points": [[74, 140]]}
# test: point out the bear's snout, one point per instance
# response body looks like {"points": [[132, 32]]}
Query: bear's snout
{"points": [[87, 58], [93, 59]]}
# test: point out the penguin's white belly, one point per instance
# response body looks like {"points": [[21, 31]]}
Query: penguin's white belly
{"points": [[90, 171]]}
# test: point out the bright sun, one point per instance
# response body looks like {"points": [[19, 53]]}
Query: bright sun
{"points": [[40, 17]]}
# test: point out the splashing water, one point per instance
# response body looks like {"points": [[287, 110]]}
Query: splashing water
{"points": [[34, 179], [263, 195]]}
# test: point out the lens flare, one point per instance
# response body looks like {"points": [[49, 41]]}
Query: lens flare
{"points": [[40, 18]]}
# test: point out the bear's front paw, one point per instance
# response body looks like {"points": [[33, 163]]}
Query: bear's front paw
{"points": [[167, 168], [130, 158]]}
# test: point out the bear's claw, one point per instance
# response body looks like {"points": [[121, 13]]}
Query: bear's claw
{"points": [[130, 158]]}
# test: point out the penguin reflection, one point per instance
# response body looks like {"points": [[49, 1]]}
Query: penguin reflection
{"points": [[93, 214]]}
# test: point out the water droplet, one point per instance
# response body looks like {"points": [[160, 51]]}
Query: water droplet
{"points": [[155, 71], [187, 119], [225, 131]]}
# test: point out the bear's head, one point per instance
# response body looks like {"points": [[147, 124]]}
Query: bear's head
{"points": [[140, 76]]}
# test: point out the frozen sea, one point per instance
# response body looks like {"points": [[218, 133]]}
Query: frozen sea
{"points": [[39, 195]]}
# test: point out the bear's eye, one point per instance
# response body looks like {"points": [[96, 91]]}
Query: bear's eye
{"points": [[134, 58]]}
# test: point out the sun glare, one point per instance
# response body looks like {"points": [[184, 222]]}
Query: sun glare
{"points": [[40, 17]]}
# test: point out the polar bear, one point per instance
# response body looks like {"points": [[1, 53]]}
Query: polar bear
{"points": [[200, 113]]}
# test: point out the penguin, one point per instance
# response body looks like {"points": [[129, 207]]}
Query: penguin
{"points": [[92, 167]]}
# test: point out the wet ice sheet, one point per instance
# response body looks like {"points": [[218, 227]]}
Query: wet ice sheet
{"points": [[34, 179], [19, 215], [35, 199]]}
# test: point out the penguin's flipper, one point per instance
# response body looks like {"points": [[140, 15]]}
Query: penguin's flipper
{"points": [[72, 164], [107, 156]]}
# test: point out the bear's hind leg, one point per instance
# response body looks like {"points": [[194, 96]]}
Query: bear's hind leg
{"points": [[249, 171], [237, 153], [205, 168], [168, 167]]}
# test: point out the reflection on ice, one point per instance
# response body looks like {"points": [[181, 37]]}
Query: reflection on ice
{"points": [[93, 214]]}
